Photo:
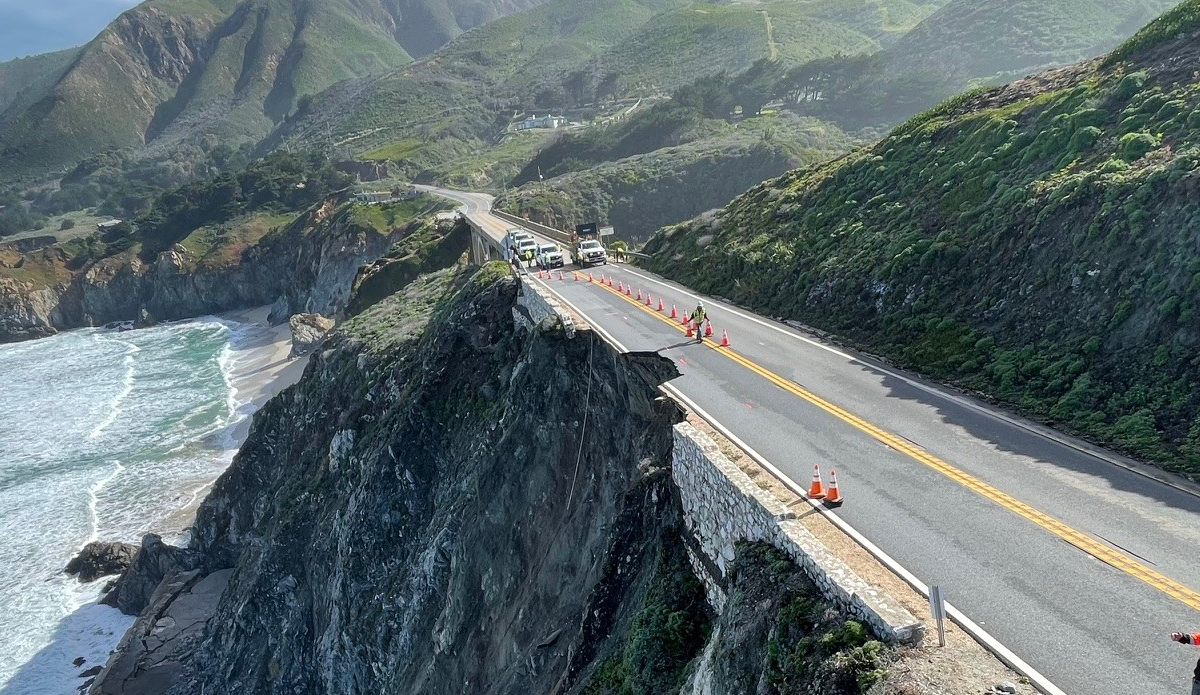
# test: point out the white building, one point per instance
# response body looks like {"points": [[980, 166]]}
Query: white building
{"points": [[546, 121]]}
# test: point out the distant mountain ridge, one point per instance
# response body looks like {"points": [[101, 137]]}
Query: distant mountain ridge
{"points": [[169, 69]]}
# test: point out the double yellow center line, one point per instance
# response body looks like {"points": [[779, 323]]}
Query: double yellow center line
{"points": [[1080, 540]]}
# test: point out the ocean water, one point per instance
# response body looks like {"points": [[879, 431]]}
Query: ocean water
{"points": [[103, 436]]}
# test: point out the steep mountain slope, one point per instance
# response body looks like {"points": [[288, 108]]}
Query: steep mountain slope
{"points": [[562, 54], [1037, 242], [168, 69], [966, 42], [969, 39], [21, 80]]}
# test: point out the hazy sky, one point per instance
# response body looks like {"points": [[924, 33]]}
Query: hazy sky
{"points": [[28, 27]]}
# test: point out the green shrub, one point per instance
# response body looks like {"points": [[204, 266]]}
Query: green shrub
{"points": [[1134, 146]]}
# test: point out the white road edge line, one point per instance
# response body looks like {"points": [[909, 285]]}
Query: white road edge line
{"points": [[969, 626], [1037, 430]]}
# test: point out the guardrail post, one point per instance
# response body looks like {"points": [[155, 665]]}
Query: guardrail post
{"points": [[937, 606]]}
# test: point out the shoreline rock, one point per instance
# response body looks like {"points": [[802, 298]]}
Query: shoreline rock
{"points": [[154, 560], [101, 559], [308, 330]]}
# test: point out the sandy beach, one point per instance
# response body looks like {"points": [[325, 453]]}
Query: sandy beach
{"points": [[261, 368]]}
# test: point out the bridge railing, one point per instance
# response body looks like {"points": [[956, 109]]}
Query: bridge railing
{"points": [[548, 232]]}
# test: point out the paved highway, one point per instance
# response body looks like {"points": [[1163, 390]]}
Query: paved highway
{"points": [[1080, 566]]}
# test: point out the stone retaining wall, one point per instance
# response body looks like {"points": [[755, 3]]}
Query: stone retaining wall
{"points": [[536, 306], [723, 506]]}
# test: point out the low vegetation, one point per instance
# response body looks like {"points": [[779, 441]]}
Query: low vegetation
{"points": [[680, 157], [1035, 243]]}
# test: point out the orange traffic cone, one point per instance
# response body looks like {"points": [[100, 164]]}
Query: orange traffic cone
{"points": [[816, 491], [610, 281], [539, 273], [674, 313], [684, 319], [724, 338], [639, 294], [620, 287], [708, 329], [590, 278], [648, 299], [628, 291], [560, 275], [690, 334], [660, 305], [834, 498]]}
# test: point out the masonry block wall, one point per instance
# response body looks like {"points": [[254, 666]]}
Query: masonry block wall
{"points": [[723, 506], [536, 306]]}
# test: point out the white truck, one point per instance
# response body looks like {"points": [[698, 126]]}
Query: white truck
{"points": [[549, 256], [512, 242], [526, 249], [588, 252]]}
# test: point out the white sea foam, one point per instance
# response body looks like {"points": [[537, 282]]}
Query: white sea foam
{"points": [[126, 389], [106, 436]]}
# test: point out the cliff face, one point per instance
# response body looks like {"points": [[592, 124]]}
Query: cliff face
{"points": [[307, 267], [429, 532]]}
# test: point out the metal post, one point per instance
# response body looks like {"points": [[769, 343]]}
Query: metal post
{"points": [[937, 606]]}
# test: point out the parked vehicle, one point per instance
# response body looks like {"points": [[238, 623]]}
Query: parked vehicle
{"points": [[513, 239], [588, 252], [549, 256], [526, 250]]}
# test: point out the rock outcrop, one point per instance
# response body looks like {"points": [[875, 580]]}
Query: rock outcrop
{"points": [[153, 561], [101, 559], [308, 330]]}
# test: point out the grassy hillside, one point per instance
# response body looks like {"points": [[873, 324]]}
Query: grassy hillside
{"points": [[642, 192], [23, 78], [1038, 243], [571, 54], [169, 70], [970, 39], [964, 43]]}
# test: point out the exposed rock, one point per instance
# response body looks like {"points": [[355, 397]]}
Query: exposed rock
{"points": [[279, 311], [144, 319], [148, 659], [100, 559], [153, 561], [308, 330]]}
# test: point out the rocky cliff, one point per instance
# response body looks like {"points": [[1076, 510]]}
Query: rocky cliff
{"points": [[450, 503], [307, 265]]}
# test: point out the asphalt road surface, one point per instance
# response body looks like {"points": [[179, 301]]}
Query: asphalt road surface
{"points": [[1075, 562]]}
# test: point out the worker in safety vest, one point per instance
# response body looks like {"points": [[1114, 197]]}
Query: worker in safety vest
{"points": [[699, 316], [1192, 639]]}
